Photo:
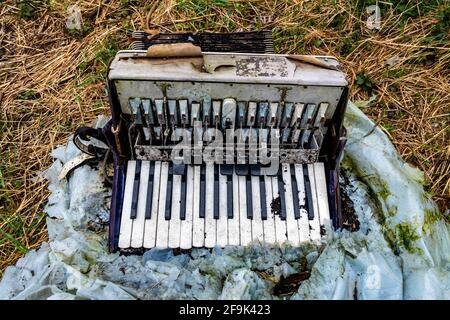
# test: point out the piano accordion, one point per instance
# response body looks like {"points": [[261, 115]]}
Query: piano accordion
{"points": [[223, 148]]}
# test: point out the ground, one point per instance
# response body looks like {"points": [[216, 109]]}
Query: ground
{"points": [[52, 79]]}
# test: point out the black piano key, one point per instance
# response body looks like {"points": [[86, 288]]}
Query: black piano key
{"points": [[262, 197], [169, 193], [282, 197], [249, 194], [308, 193], [183, 197], [216, 191], [241, 169], [179, 169], [226, 169], [134, 201], [295, 193], [255, 170], [202, 191], [148, 205], [230, 197]]}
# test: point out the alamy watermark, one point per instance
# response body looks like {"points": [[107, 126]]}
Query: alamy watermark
{"points": [[233, 146]]}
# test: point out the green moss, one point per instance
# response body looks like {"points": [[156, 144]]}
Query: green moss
{"points": [[28, 95], [388, 127], [379, 188], [431, 216], [318, 43], [396, 73], [384, 192], [392, 211], [406, 237], [28, 8], [441, 29], [91, 79], [401, 238]]}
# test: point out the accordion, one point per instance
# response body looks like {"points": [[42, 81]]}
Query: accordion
{"points": [[223, 148]]}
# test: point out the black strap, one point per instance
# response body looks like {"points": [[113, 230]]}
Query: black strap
{"points": [[82, 139]]}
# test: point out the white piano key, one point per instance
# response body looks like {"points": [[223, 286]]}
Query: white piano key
{"points": [[137, 237], [146, 105], [150, 224], [280, 225], [159, 106], [297, 115], [210, 222], [320, 117], [245, 223], [315, 223], [175, 221], [183, 108], [273, 112], [322, 197], [126, 224], [291, 222], [287, 114], [134, 104], [296, 135], [251, 118], [222, 222], [269, 223], [162, 233], [228, 112], [303, 223], [257, 222], [186, 224], [241, 114], [216, 113], [310, 111], [195, 112], [233, 224], [198, 229]]}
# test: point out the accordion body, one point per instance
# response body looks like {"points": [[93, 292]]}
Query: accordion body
{"points": [[223, 148]]}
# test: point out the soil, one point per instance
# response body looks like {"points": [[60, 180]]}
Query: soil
{"points": [[290, 284], [275, 206], [350, 221]]}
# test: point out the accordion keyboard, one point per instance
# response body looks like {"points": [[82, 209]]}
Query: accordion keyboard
{"points": [[204, 208], [298, 128]]}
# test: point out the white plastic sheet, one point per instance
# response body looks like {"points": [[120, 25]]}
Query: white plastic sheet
{"points": [[401, 250]]}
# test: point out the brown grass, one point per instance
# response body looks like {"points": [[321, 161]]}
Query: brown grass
{"points": [[51, 81]]}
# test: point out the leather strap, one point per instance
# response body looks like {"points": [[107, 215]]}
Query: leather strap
{"points": [[82, 139]]}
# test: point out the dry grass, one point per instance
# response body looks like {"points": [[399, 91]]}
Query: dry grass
{"points": [[51, 81]]}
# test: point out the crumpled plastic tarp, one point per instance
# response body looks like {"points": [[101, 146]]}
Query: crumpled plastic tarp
{"points": [[401, 251]]}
